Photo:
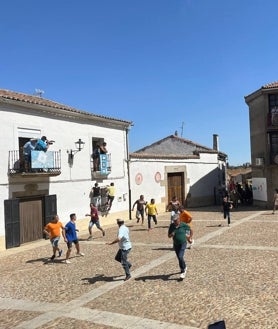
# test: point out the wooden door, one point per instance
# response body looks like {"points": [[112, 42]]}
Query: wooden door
{"points": [[176, 186], [31, 220]]}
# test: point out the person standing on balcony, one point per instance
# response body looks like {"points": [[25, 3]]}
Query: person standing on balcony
{"points": [[103, 149], [27, 150], [42, 144], [95, 157]]}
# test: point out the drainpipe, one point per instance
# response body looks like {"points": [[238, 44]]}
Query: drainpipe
{"points": [[128, 175]]}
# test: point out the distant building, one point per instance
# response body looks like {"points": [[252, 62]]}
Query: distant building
{"points": [[175, 166], [263, 118]]}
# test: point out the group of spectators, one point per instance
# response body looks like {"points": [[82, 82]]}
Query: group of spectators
{"points": [[33, 144], [239, 194]]}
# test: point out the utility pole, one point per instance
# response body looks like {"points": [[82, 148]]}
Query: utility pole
{"points": [[182, 124]]}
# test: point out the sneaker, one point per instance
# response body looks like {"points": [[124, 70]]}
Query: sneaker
{"points": [[52, 257], [67, 261], [127, 277], [103, 233], [183, 274], [90, 238], [80, 254], [60, 252]]}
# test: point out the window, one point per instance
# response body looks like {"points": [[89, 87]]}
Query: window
{"points": [[273, 109], [273, 103], [273, 137]]}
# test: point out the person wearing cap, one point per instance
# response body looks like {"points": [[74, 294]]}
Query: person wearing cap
{"points": [[124, 247], [179, 231], [42, 144]]}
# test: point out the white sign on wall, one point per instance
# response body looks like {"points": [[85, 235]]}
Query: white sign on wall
{"points": [[259, 189]]}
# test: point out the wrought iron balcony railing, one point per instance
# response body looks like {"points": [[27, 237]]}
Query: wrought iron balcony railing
{"points": [[101, 166], [40, 162]]}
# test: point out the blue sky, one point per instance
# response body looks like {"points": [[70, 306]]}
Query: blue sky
{"points": [[158, 63]]}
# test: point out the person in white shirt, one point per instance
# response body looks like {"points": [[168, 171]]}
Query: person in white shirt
{"points": [[124, 247]]}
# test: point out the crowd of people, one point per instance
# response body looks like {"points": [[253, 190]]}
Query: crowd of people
{"points": [[239, 194], [180, 230]]}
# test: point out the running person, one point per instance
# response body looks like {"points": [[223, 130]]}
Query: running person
{"points": [[151, 211], [140, 203], [70, 237], [94, 221], [53, 230]]}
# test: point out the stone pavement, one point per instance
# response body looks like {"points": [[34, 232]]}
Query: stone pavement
{"points": [[232, 275]]}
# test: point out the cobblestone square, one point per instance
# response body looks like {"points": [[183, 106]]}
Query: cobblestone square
{"points": [[232, 275]]}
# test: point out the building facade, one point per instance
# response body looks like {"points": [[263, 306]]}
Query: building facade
{"points": [[175, 166], [263, 118], [60, 179]]}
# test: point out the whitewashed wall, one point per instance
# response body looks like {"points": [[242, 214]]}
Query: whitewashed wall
{"points": [[196, 169], [73, 186]]}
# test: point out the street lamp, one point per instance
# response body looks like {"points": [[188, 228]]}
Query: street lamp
{"points": [[79, 145]]}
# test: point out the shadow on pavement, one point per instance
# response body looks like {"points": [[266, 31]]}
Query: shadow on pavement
{"points": [[46, 261], [163, 248], [102, 278], [165, 277]]}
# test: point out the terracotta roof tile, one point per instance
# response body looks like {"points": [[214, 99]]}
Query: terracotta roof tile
{"points": [[271, 85], [36, 100]]}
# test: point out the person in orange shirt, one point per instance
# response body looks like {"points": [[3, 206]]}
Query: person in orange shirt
{"points": [[186, 218], [53, 230]]}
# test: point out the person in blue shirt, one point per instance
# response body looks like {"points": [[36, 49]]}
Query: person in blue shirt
{"points": [[71, 237], [124, 247], [42, 144]]}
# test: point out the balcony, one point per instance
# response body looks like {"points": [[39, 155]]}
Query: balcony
{"points": [[42, 164], [101, 166]]}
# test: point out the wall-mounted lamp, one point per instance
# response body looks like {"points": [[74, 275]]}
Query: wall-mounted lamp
{"points": [[79, 146]]}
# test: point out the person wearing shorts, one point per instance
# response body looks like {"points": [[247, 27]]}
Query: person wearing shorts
{"points": [[70, 237], [94, 221], [140, 210], [53, 230]]}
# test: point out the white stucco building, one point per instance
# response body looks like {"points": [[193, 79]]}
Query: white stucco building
{"points": [[175, 166], [29, 199]]}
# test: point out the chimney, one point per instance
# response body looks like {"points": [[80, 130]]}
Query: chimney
{"points": [[215, 142]]}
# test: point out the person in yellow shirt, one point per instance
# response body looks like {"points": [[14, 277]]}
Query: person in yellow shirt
{"points": [[151, 212], [53, 230], [186, 218], [110, 195]]}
